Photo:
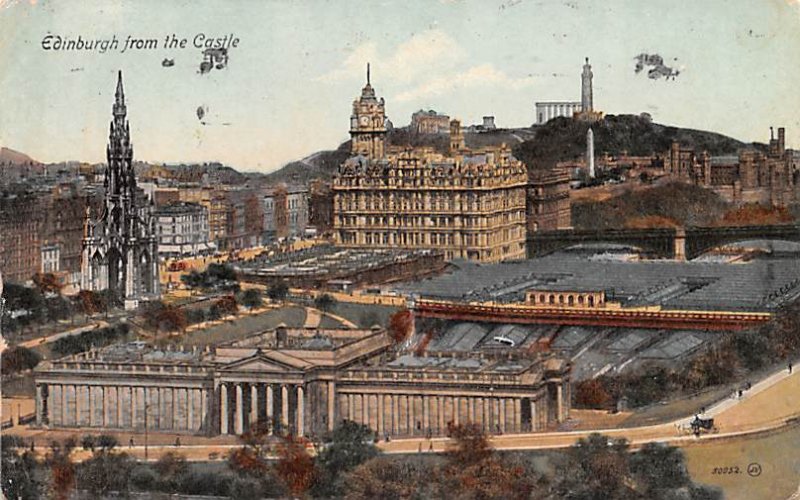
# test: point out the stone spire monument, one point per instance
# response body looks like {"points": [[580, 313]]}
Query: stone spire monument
{"points": [[120, 249], [586, 88], [587, 96]]}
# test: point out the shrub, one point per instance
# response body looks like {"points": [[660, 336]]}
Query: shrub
{"points": [[18, 359]]}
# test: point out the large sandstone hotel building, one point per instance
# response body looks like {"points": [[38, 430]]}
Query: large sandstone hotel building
{"points": [[467, 203], [307, 380]]}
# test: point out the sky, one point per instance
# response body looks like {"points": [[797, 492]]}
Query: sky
{"points": [[289, 85]]}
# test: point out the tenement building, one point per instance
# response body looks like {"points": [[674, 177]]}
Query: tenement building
{"points": [[548, 206], [770, 177], [120, 248], [305, 381], [183, 230], [286, 212], [469, 203]]}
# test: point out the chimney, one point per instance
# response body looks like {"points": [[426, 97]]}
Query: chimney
{"points": [[781, 140]]}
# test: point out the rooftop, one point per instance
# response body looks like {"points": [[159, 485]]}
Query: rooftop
{"points": [[756, 285]]}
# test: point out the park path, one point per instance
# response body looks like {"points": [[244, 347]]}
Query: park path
{"points": [[314, 318], [52, 338]]}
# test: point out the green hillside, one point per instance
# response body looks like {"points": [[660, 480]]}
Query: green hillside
{"points": [[563, 139]]}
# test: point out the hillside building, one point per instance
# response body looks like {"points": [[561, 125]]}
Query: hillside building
{"points": [[430, 122], [752, 176]]}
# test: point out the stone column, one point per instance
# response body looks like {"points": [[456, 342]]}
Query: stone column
{"points": [[395, 416], [426, 422], [440, 413], [517, 415], [300, 411], [118, 407], [381, 408], [270, 407], [239, 428], [133, 407], [502, 404], [560, 405], [106, 404], [39, 404], [175, 403], [64, 409], [471, 410], [284, 405], [190, 398], [223, 409], [78, 406], [331, 405], [487, 420], [55, 405], [253, 404], [351, 403], [456, 410], [203, 409]]}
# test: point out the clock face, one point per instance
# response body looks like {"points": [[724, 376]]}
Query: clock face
{"points": [[364, 120]]}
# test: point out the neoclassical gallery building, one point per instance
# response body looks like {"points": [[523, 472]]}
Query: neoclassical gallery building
{"points": [[306, 380]]}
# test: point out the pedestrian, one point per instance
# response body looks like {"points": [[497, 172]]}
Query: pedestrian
{"points": [[177, 442], [430, 448], [702, 409], [790, 368], [420, 448], [740, 393], [130, 443]]}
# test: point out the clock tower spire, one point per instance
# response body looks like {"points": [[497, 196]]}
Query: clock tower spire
{"points": [[368, 123]]}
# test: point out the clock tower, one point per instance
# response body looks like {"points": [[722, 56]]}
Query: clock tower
{"points": [[368, 124]]}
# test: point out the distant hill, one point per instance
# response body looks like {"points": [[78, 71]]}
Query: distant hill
{"points": [[323, 164], [563, 139], [9, 156], [320, 165]]}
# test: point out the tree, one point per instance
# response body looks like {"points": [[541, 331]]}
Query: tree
{"points": [[278, 291], [295, 467], [58, 308], [474, 470], [251, 460], [172, 318], [595, 467], [228, 305], [107, 442], [19, 470], [105, 472], [469, 445], [348, 446], [592, 394], [62, 470], [89, 442], [401, 325], [659, 467], [325, 302], [47, 283], [17, 359], [90, 303], [390, 478], [251, 298], [171, 469]]}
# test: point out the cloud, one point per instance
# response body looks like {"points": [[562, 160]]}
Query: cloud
{"points": [[483, 75], [354, 64], [419, 54]]}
